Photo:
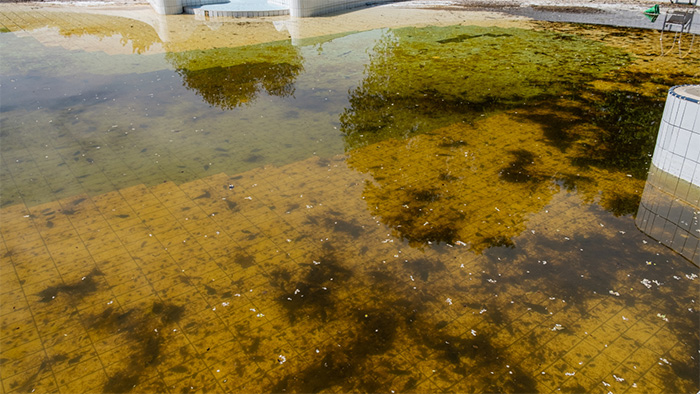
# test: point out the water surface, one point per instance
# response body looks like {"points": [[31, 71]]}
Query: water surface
{"points": [[394, 210]]}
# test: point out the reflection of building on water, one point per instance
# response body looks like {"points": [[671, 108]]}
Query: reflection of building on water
{"points": [[670, 207]]}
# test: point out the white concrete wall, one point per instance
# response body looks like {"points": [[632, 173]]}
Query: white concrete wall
{"points": [[166, 7], [306, 8], [297, 8]]}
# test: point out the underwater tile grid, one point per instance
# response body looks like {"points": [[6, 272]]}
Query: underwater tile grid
{"points": [[425, 262], [201, 286]]}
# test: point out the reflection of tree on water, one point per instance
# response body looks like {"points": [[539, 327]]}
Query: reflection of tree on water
{"points": [[230, 77], [442, 178]]}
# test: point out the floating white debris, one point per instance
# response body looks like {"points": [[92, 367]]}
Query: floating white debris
{"points": [[691, 276], [619, 379], [557, 327], [224, 304], [449, 301], [248, 198], [663, 317], [316, 262], [491, 280], [624, 318], [473, 332], [482, 311], [569, 373], [606, 384], [646, 282], [259, 315], [281, 359], [460, 243], [616, 294], [664, 360]]}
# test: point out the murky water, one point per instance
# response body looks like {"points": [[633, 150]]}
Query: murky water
{"points": [[393, 210]]}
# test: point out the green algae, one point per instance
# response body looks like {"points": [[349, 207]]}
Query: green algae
{"points": [[267, 53], [422, 78]]}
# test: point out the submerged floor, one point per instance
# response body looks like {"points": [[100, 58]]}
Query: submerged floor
{"points": [[353, 217]]}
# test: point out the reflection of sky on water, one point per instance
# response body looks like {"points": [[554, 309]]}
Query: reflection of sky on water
{"points": [[150, 120]]}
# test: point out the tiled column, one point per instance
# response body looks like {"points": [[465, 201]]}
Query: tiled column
{"points": [[670, 206]]}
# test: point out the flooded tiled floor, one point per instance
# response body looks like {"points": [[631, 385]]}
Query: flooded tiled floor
{"points": [[491, 252]]}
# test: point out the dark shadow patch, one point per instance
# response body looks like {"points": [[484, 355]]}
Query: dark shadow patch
{"points": [[254, 158], [343, 226], [556, 128], [542, 310], [516, 171], [120, 383], [141, 331], [206, 194], [311, 296], [78, 289], [431, 195], [232, 206], [424, 267], [27, 385], [499, 241], [244, 260], [623, 204]]}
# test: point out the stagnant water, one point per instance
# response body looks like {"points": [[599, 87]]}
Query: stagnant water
{"points": [[395, 210]]}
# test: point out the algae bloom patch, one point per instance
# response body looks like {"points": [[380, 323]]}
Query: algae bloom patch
{"points": [[421, 78]]}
